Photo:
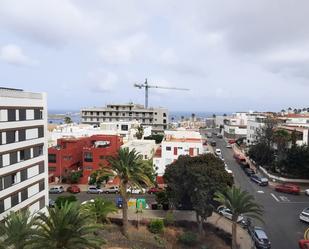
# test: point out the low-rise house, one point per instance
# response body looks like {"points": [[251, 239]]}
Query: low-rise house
{"points": [[174, 144], [146, 148]]}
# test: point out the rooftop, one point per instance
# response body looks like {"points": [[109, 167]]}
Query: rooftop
{"points": [[18, 93]]}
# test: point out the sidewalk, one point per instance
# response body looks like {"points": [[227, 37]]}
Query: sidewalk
{"points": [[243, 237]]}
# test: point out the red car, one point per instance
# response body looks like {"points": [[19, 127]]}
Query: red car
{"points": [[303, 244], [288, 188], [154, 190], [73, 189], [232, 141]]}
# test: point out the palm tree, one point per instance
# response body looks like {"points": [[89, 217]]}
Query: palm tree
{"points": [[99, 209], [239, 202], [16, 230], [65, 228], [128, 168]]}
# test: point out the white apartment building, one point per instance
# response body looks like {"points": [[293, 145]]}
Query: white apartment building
{"points": [[146, 148], [23, 151], [235, 126], [155, 117], [255, 123], [174, 144]]}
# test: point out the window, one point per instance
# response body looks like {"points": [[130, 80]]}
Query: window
{"points": [[103, 157], [41, 131], [42, 203], [124, 127], [14, 200], [14, 178], [24, 194], [52, 158], [164, 121], [23, 175], [21, 135], [88, 168], [168, 148], [22, 114], [38, 113], [88, 157], [41, 186], [51, 168], [10, 137], [67, 158], [41, 168], [13, 157], [37, 151], [11, 115], [7, 181], [1, 183], [164, 114], [1, 206]]}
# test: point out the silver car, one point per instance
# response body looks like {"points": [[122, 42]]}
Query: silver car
{"points": [[94, 190]]}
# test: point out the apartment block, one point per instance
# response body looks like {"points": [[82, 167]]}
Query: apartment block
{"points": [[155, 117], [23, 151]]}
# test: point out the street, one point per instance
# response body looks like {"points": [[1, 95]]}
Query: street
{"points": [[281, 216]]}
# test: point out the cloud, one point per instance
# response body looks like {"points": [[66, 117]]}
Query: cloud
{"points": [[13, 54], [101, 80]]}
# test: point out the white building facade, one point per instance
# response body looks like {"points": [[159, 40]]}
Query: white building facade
{"points": [[255, 123], [146, 148], [23, 151], [155, 117], [174, 144]]}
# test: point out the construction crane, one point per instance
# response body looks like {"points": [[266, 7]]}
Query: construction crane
{"points": [[146, 86]]}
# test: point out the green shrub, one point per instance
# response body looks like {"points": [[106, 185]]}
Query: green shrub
{"points": [[62, 199], [169, 219], [156, 226], [188, 238]]}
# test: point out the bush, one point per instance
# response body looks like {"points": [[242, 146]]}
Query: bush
{"points": [[75, 176], [169, 219], [156, 226], [62, 199], [188, 238]]}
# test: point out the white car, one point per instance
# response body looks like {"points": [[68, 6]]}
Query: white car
{"points": [[307, 191], [304, 215], [218, 153], [228, 170], [136, 190], [227, 213]]}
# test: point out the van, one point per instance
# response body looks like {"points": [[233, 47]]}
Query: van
{"points": [[218, 152]]}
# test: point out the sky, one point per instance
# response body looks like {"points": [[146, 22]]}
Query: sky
{"points": [[235, 55]]}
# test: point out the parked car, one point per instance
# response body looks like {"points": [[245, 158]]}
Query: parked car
{"points": [[259, 237], [205, 143], [111, 190], [262, 181], [219, 135], [249, 171], [209, 135], [136, 190], [213, 143], [303, 244], [304, 215], [228, 146], [227, 213], [88, 201], [56, 190], [154, 190], [73, 189], [94, 190], [231, 141], [228, 170], [218, 152], [288, 188], [307, 192]]}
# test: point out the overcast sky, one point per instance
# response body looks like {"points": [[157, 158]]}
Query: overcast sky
{"points": [[233, 55]]}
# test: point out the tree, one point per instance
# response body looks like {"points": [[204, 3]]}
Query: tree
{"points": [[99, 209], [61, 200], [182, 118], [224, 115], [149, 169], [239, 202], [16, 230], [65, 228], [281, 138], [126, 165], [67, 120], [192, 182], [74, 176], [139, 132], [262, 154]]}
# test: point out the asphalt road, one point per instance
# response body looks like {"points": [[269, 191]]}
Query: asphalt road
{"points": [[281, 216]]}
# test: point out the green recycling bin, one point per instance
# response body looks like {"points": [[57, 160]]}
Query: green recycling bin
{"points": [[141, 203]]}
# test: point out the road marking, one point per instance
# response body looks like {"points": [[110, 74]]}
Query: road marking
{"points": [[260, 191], [275, 197], [284, 198]]}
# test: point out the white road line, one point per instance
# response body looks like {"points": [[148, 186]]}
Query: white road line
{"points": [[260, 191], [275, 197]]}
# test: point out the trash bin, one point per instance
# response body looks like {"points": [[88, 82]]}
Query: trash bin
{"points": [[132, 203], [141, 203], [119, 202], [154, 206]]}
